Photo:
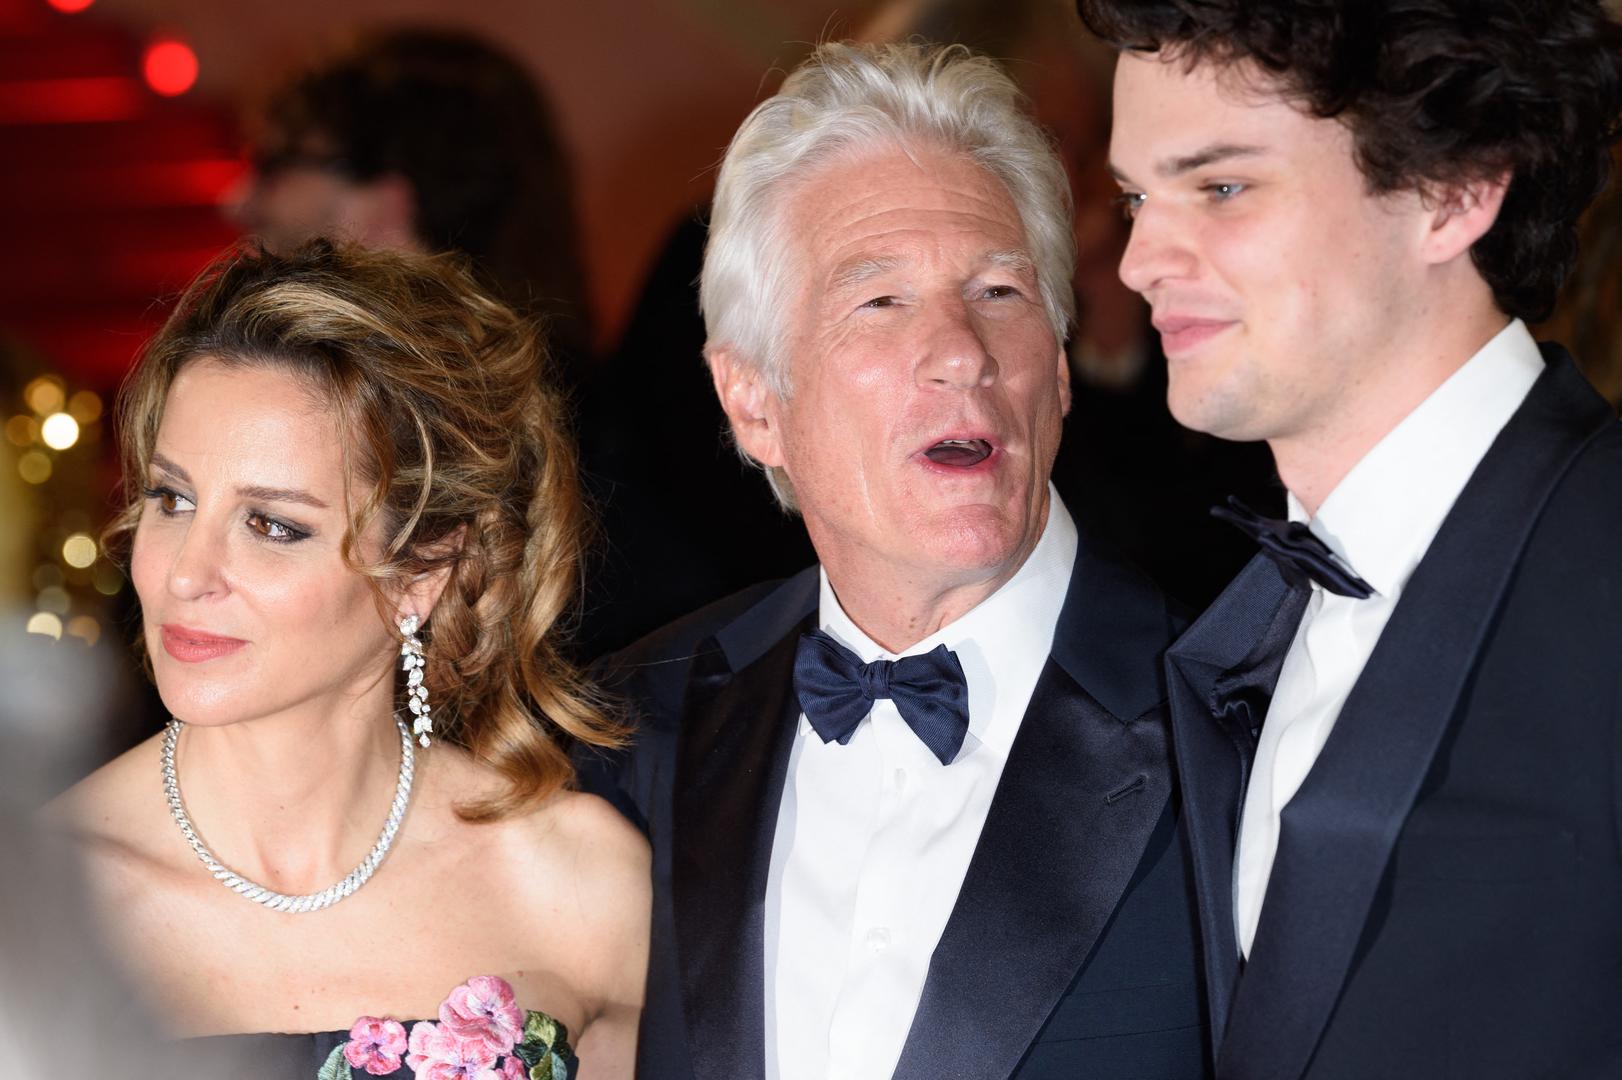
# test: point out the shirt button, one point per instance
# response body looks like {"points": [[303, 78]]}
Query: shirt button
{"points": [[878, 939]]}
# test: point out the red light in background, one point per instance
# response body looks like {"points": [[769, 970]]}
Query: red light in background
{"points": [[70, 7], [170, 67]]}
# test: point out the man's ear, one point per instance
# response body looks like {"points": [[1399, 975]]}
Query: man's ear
{"points": [[1064, 380], [421, 594], [749, 404], [1461, 214]]}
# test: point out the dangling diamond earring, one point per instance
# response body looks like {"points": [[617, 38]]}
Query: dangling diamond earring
{"points": [[411, 663]]}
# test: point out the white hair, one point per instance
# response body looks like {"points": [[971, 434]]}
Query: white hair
{"points": [[848, 100]]}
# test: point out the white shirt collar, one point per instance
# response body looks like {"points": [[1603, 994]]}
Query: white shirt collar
{"points": [[1009, 631], [1382, 517]]}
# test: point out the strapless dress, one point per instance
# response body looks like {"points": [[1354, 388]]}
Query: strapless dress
{"points": [[480, 1034]]}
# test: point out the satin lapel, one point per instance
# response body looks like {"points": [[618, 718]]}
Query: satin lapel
{"points": [[1337, 834], [1220, 676], [733, 757], [1083, 788]]}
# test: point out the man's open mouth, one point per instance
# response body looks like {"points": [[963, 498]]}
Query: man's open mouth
{"points": [[959, 453]]}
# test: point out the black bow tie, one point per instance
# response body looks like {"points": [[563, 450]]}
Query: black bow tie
{"points": [[836, 690], [1300, 555]]}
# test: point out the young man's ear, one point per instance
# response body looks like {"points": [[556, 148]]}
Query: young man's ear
{"points": [[748, 403], [1461, 214]]}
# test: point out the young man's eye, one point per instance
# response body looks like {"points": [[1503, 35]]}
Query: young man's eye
{"points": [[1129, 203], [170, 502], [1224, 191]]}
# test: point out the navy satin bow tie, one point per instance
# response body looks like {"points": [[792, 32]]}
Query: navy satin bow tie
{"points": [[1300, 555], [836, 690]]}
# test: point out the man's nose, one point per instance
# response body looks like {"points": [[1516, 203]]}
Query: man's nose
{"points": [[1156, 250], [958, 354]]}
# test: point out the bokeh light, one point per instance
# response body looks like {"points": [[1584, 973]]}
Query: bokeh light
{"points": [[34, 467], [85, 406], [85, 629], [22, 430], [59, 430], [43, 622], [170, 67], [55, 599], [107, 579], [79, 550], [70, 7], [45, 394]]}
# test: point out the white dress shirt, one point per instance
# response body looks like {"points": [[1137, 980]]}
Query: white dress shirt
{"points": [[1378, 521], [874, 837]]}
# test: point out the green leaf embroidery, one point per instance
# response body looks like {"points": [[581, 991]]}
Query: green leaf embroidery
{"points": [[337, 1066], [550, 1067], [541, 1028]]}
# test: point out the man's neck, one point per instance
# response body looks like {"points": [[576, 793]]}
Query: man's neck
{"points": [[1313, 461]]}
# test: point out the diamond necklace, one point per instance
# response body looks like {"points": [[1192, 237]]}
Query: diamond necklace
{"points": [[258, 893]]}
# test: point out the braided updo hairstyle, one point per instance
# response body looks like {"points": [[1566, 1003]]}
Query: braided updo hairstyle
{"points": [[455, 448]]}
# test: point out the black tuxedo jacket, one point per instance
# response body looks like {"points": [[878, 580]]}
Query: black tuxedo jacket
{"points": [[1446, 899], [1072, 949]]}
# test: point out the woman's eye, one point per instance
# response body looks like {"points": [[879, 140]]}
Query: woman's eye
{"points": [[271, 529], [1000, 292], [1223, 192], [170, 502]]}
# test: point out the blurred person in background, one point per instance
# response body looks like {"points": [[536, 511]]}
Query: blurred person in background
{"points": [[428, 140], [353, 521]]}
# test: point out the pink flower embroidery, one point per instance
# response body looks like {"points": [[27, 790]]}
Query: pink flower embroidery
{"points": [[375, 1045], [513, 1069], [484, 1008], [440, 1054]]}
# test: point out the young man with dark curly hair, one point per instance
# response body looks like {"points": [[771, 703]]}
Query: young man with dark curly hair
{"points": [[1344, 215]]}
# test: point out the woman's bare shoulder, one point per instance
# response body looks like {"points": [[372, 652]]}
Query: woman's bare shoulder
{"points": [[114, 804]]}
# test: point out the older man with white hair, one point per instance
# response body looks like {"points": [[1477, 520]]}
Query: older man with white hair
{"points": [[912, 810]]}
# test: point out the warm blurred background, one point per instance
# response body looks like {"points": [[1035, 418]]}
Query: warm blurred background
{"points": [[132, 130]]}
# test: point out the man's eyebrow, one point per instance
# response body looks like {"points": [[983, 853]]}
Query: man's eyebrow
{"points": [[1214, 154], [862, 269], [1016, 259]]}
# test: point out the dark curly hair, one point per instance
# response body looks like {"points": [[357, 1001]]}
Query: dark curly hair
{"points": [[1435, 93]]}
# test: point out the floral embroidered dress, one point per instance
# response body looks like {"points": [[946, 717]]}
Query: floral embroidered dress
{"points": [[481, 1034]]}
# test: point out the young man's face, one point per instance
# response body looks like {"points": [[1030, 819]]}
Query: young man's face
{"points": [[1279, 284]]}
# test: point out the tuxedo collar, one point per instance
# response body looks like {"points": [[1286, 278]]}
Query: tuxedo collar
{"points": [[1338, 833], [1089, 762]]}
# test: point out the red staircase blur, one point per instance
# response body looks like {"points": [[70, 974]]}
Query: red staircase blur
{"points": [[109, 193]]}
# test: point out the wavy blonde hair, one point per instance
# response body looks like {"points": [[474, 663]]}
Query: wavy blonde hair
{"points": [[453, 443]]}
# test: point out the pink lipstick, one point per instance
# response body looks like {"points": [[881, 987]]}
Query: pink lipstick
{"points": [[191, 646]]}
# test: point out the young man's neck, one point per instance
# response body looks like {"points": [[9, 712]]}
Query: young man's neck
{"points": [[1313, 461]]}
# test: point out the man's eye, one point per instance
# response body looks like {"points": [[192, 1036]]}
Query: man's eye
{"points": [[1000, 292], [1129, 203], [170, 502], [880, 302], [1223, 192]]}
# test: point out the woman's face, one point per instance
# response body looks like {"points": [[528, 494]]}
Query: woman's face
{"points": [[248, 607]]}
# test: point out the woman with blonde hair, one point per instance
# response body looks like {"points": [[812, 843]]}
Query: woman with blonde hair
{"points": [[354, 524]]}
